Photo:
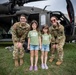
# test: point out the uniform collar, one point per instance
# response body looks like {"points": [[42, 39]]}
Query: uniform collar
{"points": [[57, 27], [22, 25]]}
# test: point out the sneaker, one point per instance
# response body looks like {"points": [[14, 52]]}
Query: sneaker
{"points": [[31, 68], [43, 66], [46, 67], [35, 68]]}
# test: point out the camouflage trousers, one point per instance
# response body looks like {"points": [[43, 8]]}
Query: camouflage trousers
{"points": [[18, 53], [59, 50]]}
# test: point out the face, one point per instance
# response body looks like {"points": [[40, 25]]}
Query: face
{"points": [[34, 26], [45, 30], [53, 21], [23, 19]]}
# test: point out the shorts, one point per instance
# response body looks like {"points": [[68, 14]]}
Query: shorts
{"points": [[45, 48], [34, 47]]}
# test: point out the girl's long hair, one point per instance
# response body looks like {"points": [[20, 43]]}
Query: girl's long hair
{"points": [[45, 27], [34, 21]]}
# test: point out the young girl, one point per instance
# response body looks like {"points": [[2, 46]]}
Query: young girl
{"points": [[34, 42], [46, 38]]}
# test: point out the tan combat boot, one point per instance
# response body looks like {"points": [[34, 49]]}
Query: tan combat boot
{"points": [[21, 61], [58, 63], [16, 63], [51, 60]]}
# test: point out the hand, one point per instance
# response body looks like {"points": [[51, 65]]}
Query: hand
{"points": [[55, 46], [19, 45], [40, 47], [58, 21], [28, 47], [59, 38]]}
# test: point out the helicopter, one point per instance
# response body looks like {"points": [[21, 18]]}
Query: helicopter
{"points": [[12, 9]]}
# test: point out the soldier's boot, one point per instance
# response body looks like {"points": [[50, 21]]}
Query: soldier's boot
{"points": [[51, 60], [21, 61], [58, 63], [16, 63]]}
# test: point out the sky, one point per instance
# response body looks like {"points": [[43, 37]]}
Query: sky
{"points": [[53, 5]]}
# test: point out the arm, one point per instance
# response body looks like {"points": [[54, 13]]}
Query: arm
{"points": [[50, 37], [28, 46], [14, 35], [50, 29], [61, 33], [40, 42], [39, 34]]}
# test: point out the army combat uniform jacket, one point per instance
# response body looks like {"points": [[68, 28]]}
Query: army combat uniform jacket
{"points": [[57, 34], [19, 33]]}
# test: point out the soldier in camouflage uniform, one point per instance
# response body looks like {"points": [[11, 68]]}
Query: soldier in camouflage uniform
{"points": [[19, 31], [58, 40]]}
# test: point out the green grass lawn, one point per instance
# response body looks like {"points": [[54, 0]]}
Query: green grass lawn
{"points": [[67, 68]]}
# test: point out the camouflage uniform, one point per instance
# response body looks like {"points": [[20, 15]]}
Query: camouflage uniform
{"points": [[19, 32], [58, 37]]}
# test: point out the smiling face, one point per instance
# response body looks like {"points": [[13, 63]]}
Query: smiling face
{"points": [[23, 19], [45, 30], [34, 26], [54, 21]]}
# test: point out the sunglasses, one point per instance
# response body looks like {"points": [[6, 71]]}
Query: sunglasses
{"points": [[54, 20]]}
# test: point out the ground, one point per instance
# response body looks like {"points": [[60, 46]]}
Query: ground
{"points": [[68, 66]]}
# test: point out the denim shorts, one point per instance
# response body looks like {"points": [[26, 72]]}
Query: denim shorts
{"points": [[34, 47], [45, 48]]}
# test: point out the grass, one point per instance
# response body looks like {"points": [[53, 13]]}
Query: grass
{"points": [[67, 68], [5, 43]]}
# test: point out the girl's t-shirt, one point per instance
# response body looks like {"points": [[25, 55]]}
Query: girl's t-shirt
{"points": [[46, 39], [34, 37]]}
